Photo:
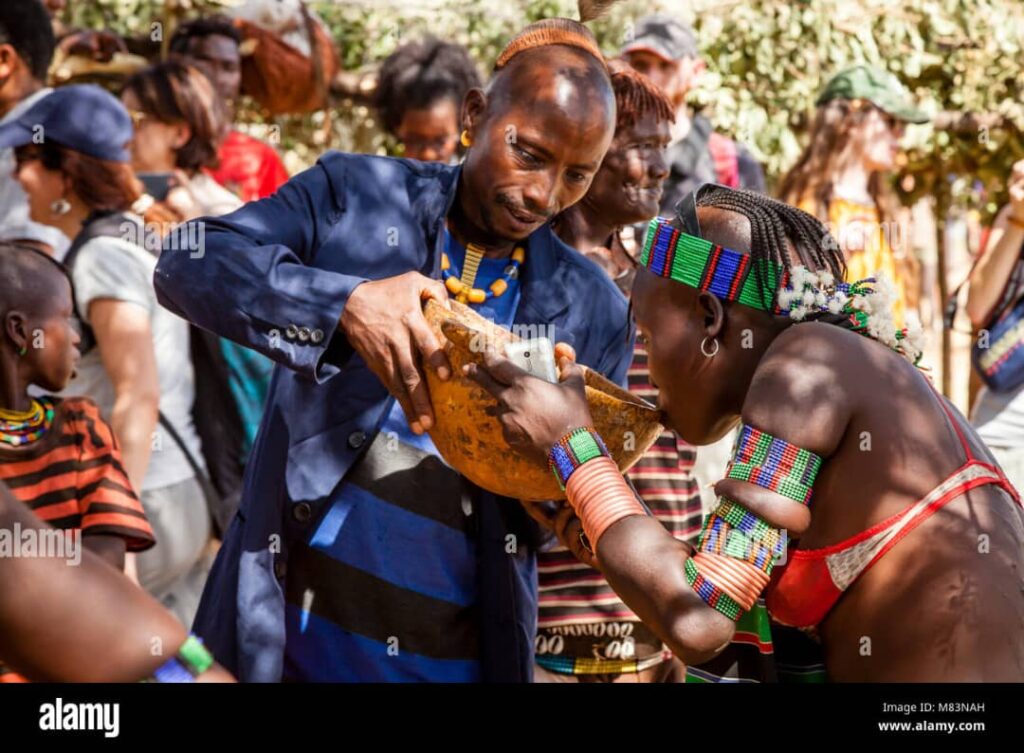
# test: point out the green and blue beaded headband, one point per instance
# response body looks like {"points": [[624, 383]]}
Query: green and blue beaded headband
{"points": [[670, 252], [692, 260]]}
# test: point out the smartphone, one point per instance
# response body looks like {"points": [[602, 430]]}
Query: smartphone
{"points": [[157, 185], [536, 356]]}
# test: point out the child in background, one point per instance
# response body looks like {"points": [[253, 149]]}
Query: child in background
{"points": [[58, 456]]}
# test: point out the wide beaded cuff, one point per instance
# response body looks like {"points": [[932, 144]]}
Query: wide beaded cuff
{"points": [[712, 594], [774, 464], [573, 450], [733, 531]]}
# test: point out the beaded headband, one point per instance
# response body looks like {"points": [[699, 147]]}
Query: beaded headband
{"points": [[866, 304], [699, 263]]}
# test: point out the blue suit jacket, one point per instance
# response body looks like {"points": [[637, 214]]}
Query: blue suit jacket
{"points": [[275, 276]]}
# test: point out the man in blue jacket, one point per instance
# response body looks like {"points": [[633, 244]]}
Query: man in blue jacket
{"points": [[357, 554]]}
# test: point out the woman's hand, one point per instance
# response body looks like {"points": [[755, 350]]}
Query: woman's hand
{"points": [[534, 414], [560, 518]]}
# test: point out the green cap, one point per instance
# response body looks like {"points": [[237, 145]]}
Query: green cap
{"points": [[879, 87]]}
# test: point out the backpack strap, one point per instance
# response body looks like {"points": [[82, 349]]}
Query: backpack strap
{"points": [[96, 225]]}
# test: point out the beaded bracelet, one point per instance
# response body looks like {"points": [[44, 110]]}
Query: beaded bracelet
{"points": [[733, 531], [725, 584], [774, 464], [573, 450], [191, 661]]}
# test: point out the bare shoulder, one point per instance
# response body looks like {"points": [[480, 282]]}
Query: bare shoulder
{"points": [[802, 389]]}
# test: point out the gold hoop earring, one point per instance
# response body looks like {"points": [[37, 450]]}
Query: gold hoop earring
{"points": [[465, 140]]}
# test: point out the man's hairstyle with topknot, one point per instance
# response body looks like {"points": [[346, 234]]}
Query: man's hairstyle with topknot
{"points": [[551, 31]]}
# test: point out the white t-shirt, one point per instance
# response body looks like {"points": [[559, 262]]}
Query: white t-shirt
{"points": [[115, 268], [999, 418], [14, 218]]}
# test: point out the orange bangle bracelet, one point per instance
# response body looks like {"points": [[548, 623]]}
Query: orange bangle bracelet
{"points": [[741, 580], [601, 497]]}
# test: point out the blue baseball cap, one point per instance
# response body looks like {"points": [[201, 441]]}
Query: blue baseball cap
{"points": [[82, 117]]}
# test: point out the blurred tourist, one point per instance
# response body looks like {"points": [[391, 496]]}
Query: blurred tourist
{"points": [[247, 166], [26, 49], [135, 354], [996, 286], [665, 50], [842, 176], [419, 97]]}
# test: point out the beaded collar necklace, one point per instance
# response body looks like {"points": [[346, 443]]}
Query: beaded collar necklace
{"points": [[21, 428]]}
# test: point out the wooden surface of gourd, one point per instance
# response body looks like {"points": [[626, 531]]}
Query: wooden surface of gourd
{"points": [[472, 442]]}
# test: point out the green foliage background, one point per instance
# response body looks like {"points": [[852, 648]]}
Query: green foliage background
{"points": [[767, 59]]}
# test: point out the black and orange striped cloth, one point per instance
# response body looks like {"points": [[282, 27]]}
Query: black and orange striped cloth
{"points": [[72, 477]]}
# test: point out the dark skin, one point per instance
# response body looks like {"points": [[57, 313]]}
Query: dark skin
{"points": [[40, 322], [626, 190], [940, 606], [117, 625], [538, 137], [430, 133], [218, 58]]}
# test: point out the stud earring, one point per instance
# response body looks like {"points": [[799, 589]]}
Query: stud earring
{"points": [[465, 139], [60, 207], [23, 350]]}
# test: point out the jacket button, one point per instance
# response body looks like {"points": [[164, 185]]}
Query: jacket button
{"points": [[316, 336], [302, 512], [356, 439], [280, 568], [291, 332], [304, 334]]}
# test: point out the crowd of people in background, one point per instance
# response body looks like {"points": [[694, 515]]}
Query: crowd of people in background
{"points": [[143, 416]]}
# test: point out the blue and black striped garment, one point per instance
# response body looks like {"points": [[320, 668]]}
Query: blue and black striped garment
{"points": [[385, 589]]}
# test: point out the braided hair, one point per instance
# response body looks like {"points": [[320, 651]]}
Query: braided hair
{"points": [[773, 227]]}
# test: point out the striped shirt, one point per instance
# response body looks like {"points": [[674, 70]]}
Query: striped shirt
{"points": [[580, 616], [386, 587], [72, 476]]}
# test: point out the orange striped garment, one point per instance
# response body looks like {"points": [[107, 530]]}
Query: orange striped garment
{"points": [[72, 477]]}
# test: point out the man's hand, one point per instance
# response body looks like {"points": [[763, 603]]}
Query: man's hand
{"points": [[383, 321]]}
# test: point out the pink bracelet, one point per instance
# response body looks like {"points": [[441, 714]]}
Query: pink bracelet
{"points": [[601, 497]]}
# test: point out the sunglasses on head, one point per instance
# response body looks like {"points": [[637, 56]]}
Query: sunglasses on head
{"points": [[686, 209]]}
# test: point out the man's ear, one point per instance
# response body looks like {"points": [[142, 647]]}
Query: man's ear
{"points": [[474, 108], [712, 311], [8, 62]]}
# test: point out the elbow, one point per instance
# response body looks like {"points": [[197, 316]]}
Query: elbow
{"points": [[699, 635], [138, 401]]}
